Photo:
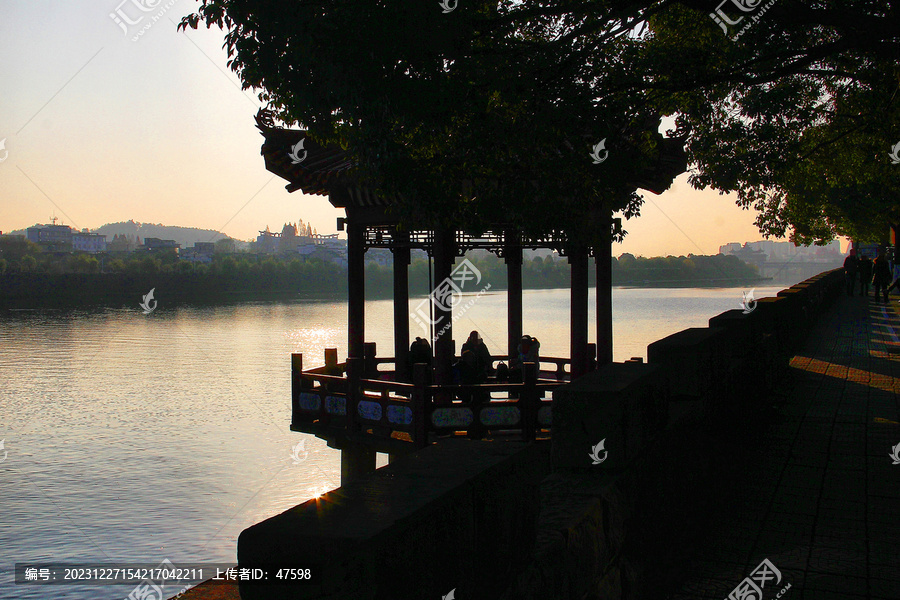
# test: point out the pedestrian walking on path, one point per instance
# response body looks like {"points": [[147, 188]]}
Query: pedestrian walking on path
{"points": [[851, 266], [865, 275], [882, 276]]}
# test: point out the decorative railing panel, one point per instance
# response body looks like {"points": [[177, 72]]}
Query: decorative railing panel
{"points": [[323, 400]]}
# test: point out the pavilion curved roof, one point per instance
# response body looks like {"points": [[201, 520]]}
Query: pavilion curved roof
{"points": [[324, 170]]}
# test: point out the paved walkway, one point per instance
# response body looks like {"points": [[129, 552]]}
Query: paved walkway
{"points": [[811, 488]]}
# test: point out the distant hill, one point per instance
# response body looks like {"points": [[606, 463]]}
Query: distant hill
{"points": [[186, 236]]}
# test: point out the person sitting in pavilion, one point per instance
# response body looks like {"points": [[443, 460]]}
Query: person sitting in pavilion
{"points": [[528, 352], [481, 361], [419, 353], [475, 366]]}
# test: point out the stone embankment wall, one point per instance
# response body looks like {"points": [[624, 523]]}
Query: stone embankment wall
{"points": [[612, 519], [572, 519]]}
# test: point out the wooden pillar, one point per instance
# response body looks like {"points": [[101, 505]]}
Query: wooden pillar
{"points": [[356, 287], [331, 362], [401, 306], [528, 401], [444, 254], [370, 366], [578, 262], [421, 375], [513, 257], [356, 459], [296, 383], [603, 258]]}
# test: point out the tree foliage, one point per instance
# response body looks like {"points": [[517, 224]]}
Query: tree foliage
{"points": [[797, 115], [487, 113]]}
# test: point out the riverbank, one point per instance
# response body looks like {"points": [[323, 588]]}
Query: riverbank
{"points": [[82, 290]]}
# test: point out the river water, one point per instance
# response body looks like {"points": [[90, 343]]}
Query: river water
{"points": [[132, 438]]}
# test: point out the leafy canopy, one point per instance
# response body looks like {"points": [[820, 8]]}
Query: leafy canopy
{"points": [[487, 114], [797, 115]]}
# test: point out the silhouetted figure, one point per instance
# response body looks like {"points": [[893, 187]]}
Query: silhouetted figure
{"points": [[502, 372], [529, 351], [865, 275], [851, 266], [481, 359], [419, 352], [475, 365], [882, 275]]}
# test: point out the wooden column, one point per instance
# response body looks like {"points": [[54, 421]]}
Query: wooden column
{"points": [[578, 261], [603, 258], [444, 254], [401, 305], [296, 384], [356, 287], [513, 297], [356, 459]]}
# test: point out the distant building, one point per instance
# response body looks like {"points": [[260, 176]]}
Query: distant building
{"points": [[92, 243], [289, 240], [267, 242], [292, 237], [122, 243], [200, 252], [52, 237], [156, 244], [730, 248], [205, 248], [751, 256], [784, 251]]}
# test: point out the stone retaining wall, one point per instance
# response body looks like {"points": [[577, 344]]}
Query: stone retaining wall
{"points": [[456, 515], [602, 519], [566, 520]]}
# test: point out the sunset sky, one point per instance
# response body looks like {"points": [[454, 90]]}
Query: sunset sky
{"points": [[99, 128]]}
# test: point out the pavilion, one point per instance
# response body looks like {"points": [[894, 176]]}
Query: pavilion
{"points": [[317, 170]]}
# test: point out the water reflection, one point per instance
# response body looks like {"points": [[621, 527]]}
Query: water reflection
{"points": [[135, 438]]}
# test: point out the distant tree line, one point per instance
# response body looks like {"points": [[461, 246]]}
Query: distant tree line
{"points": [[29, 276]]}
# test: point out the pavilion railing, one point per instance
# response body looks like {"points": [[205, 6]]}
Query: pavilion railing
{"points": [[323, 399]]}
